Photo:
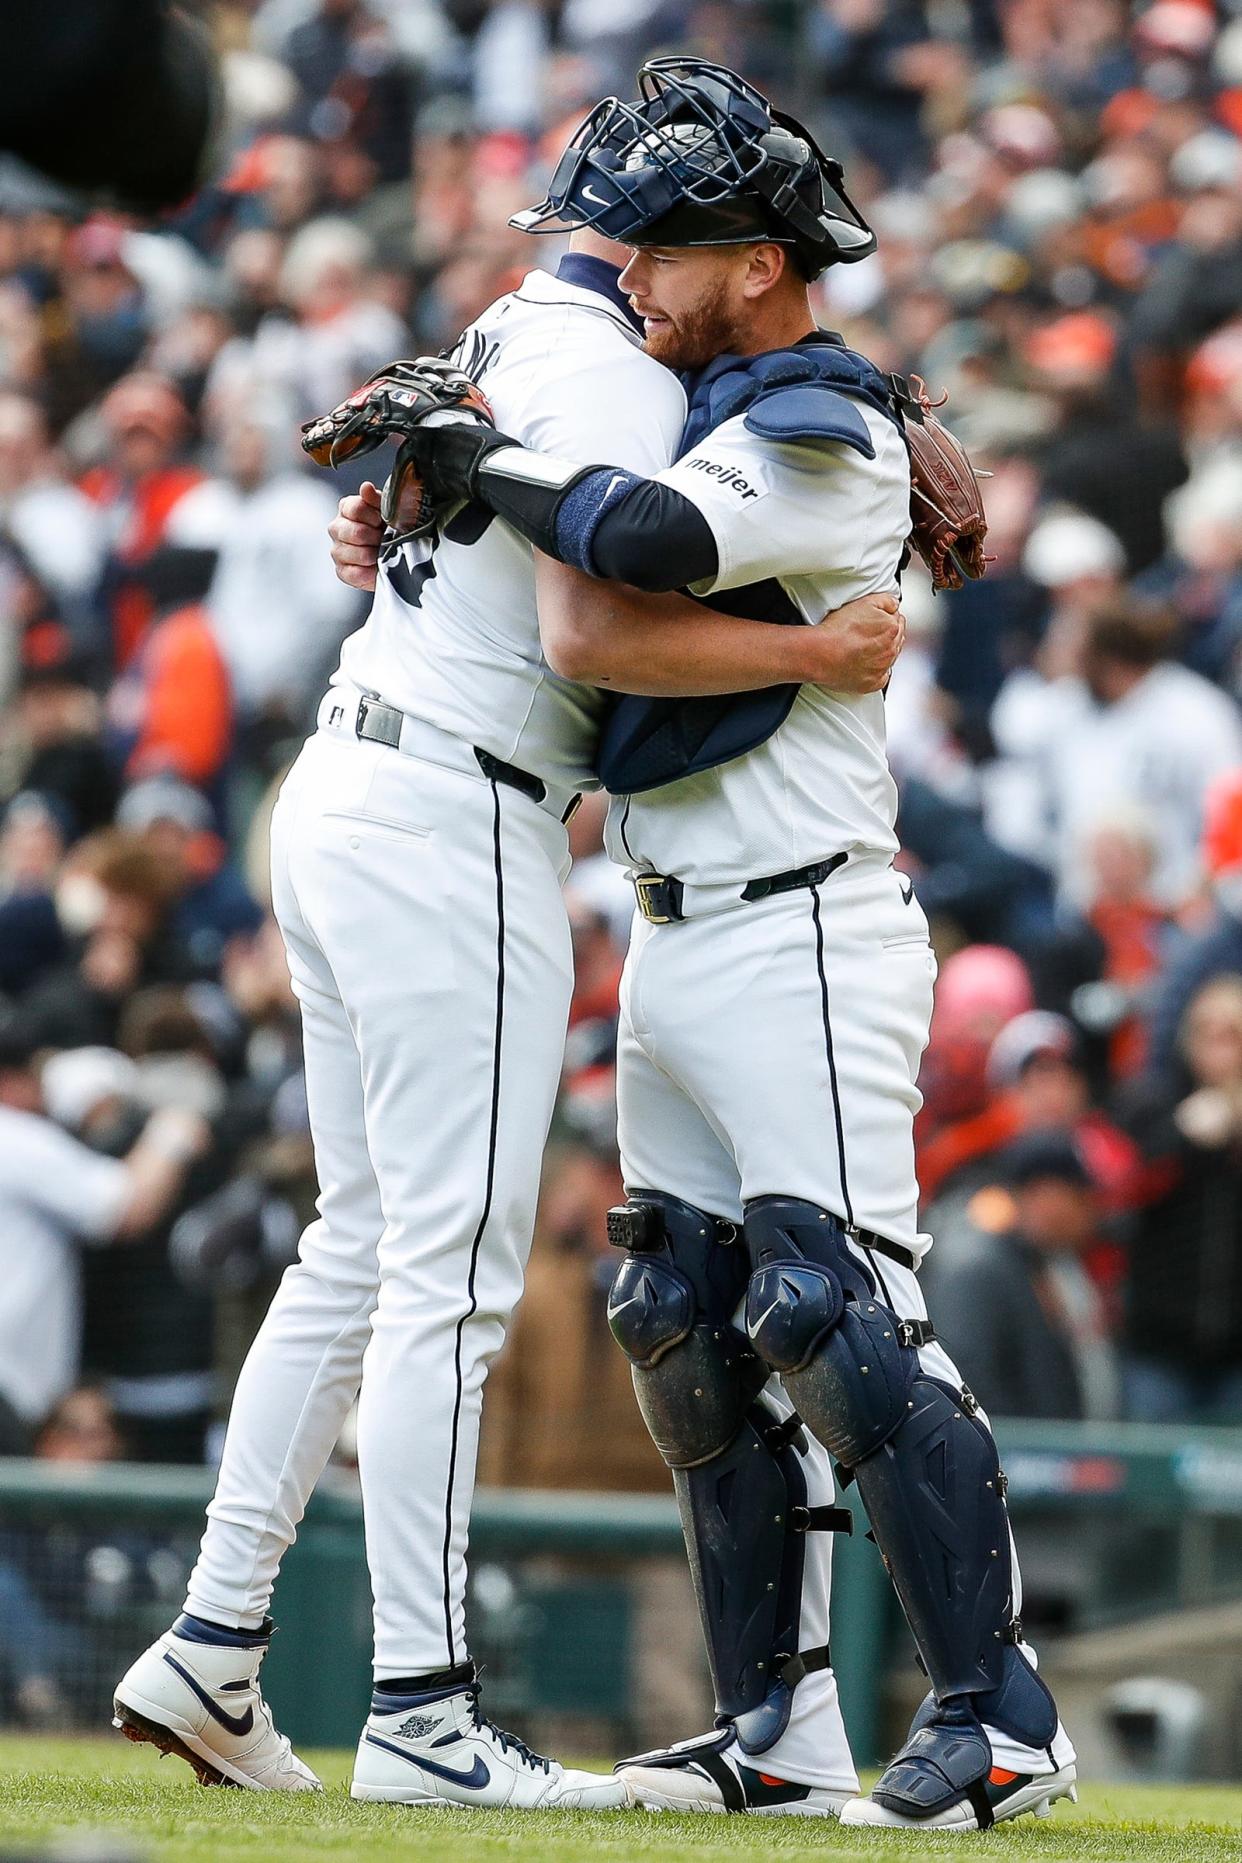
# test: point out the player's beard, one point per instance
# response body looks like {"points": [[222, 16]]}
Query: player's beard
{"points": [[698, 336]]}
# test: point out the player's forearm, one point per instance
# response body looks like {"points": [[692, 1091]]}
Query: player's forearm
{"points": [[659, 646]]}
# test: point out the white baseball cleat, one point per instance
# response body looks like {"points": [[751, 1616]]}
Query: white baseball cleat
{"points": [[710, 1773], [440, 1749], [202, 1701], [1004, 1794]]}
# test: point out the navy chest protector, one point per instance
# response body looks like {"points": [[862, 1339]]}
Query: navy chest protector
{"points": [[809, 395]]}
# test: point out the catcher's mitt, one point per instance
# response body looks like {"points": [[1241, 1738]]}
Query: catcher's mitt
{"points": [[392, 404], [948, 522]]}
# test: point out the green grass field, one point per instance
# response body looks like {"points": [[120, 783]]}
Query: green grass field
{"points": [[53, 1789]]}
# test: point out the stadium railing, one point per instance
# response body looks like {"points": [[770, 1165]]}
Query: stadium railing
{"points": [[580, 1606]]}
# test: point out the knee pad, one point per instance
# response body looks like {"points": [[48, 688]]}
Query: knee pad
{"points": [[670, 1310], [813, 1315]]}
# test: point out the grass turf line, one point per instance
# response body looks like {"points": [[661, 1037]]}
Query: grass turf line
{"points": [[49, 1788]]}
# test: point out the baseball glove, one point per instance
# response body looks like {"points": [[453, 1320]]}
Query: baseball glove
{"points": [[948, 522], [392, 405]]}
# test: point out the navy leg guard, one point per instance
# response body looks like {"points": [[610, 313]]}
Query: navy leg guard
{"points": [[928, 1475], [737, 1476]]}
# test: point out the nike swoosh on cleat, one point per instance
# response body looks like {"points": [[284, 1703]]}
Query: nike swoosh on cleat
{"points": [[237, 1724], [474, 1780]]}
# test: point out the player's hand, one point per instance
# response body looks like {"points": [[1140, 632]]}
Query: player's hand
{"points": [[356, 532], [854, 648]]}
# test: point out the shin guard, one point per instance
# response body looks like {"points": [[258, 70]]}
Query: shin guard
{"points": [[736, 1470]]}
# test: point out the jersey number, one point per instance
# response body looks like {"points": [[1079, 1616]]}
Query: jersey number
{"points": [[409, 582]]}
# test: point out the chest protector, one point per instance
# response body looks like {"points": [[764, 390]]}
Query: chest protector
{"points": [[808, 395]]}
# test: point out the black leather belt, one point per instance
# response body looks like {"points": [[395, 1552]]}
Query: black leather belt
{"points": [[660, 895], [498, 772], [382, 723]]}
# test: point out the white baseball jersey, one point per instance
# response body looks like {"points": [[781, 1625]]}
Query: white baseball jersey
{"points": [[429, 948], [772, 1048], [453, 636], [829, 525]]}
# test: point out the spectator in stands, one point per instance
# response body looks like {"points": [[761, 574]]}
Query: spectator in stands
{"points": [[1152, 733], [1037, 1082], [56, 527], [1102, 456], [980, 989], [592, 1040], [32, 846], [171, 708], [56, 1195], [143, 490], [1215, 948], [272, 564], [1183, 1330], [1201, 573], [1014, 1302], [339, 333], [208, 900], [81, 1430], [971, 887], [1101, 964], [146, 1337], [113, 899], [55, 738], [1076, 563]]}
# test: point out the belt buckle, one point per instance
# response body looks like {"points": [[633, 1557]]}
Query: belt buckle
{"points": [[648, 887]]}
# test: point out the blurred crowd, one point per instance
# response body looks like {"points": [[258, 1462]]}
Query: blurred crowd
{"points": [[1057, 187]]}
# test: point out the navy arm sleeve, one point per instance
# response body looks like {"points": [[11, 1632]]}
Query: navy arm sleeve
{"points": [[652, 537], [609, 522]]}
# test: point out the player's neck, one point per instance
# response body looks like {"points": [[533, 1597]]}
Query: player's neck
{"points": [[781, 326]]}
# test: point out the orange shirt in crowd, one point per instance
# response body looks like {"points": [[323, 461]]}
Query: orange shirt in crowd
{"points": [[179, 700], [151, 502]]}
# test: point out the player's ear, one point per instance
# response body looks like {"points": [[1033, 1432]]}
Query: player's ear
{"points": [[765, 267]]}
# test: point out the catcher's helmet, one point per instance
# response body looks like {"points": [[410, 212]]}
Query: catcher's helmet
{"points": [[702, 159]]}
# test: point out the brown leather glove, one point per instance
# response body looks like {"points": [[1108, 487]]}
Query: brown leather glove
{"points": [[948, 522], [394, 404]]}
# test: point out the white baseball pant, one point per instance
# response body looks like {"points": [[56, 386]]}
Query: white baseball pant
{"points": [[773, 1049], [427, 940]]}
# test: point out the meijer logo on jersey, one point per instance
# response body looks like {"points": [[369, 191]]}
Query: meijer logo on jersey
{"points": [[725, 475]]}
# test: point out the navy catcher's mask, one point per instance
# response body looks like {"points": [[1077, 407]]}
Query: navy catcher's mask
{"points": [[702, 159]]}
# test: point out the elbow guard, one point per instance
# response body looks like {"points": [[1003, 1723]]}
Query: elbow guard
{"points": [[529, 491]]}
